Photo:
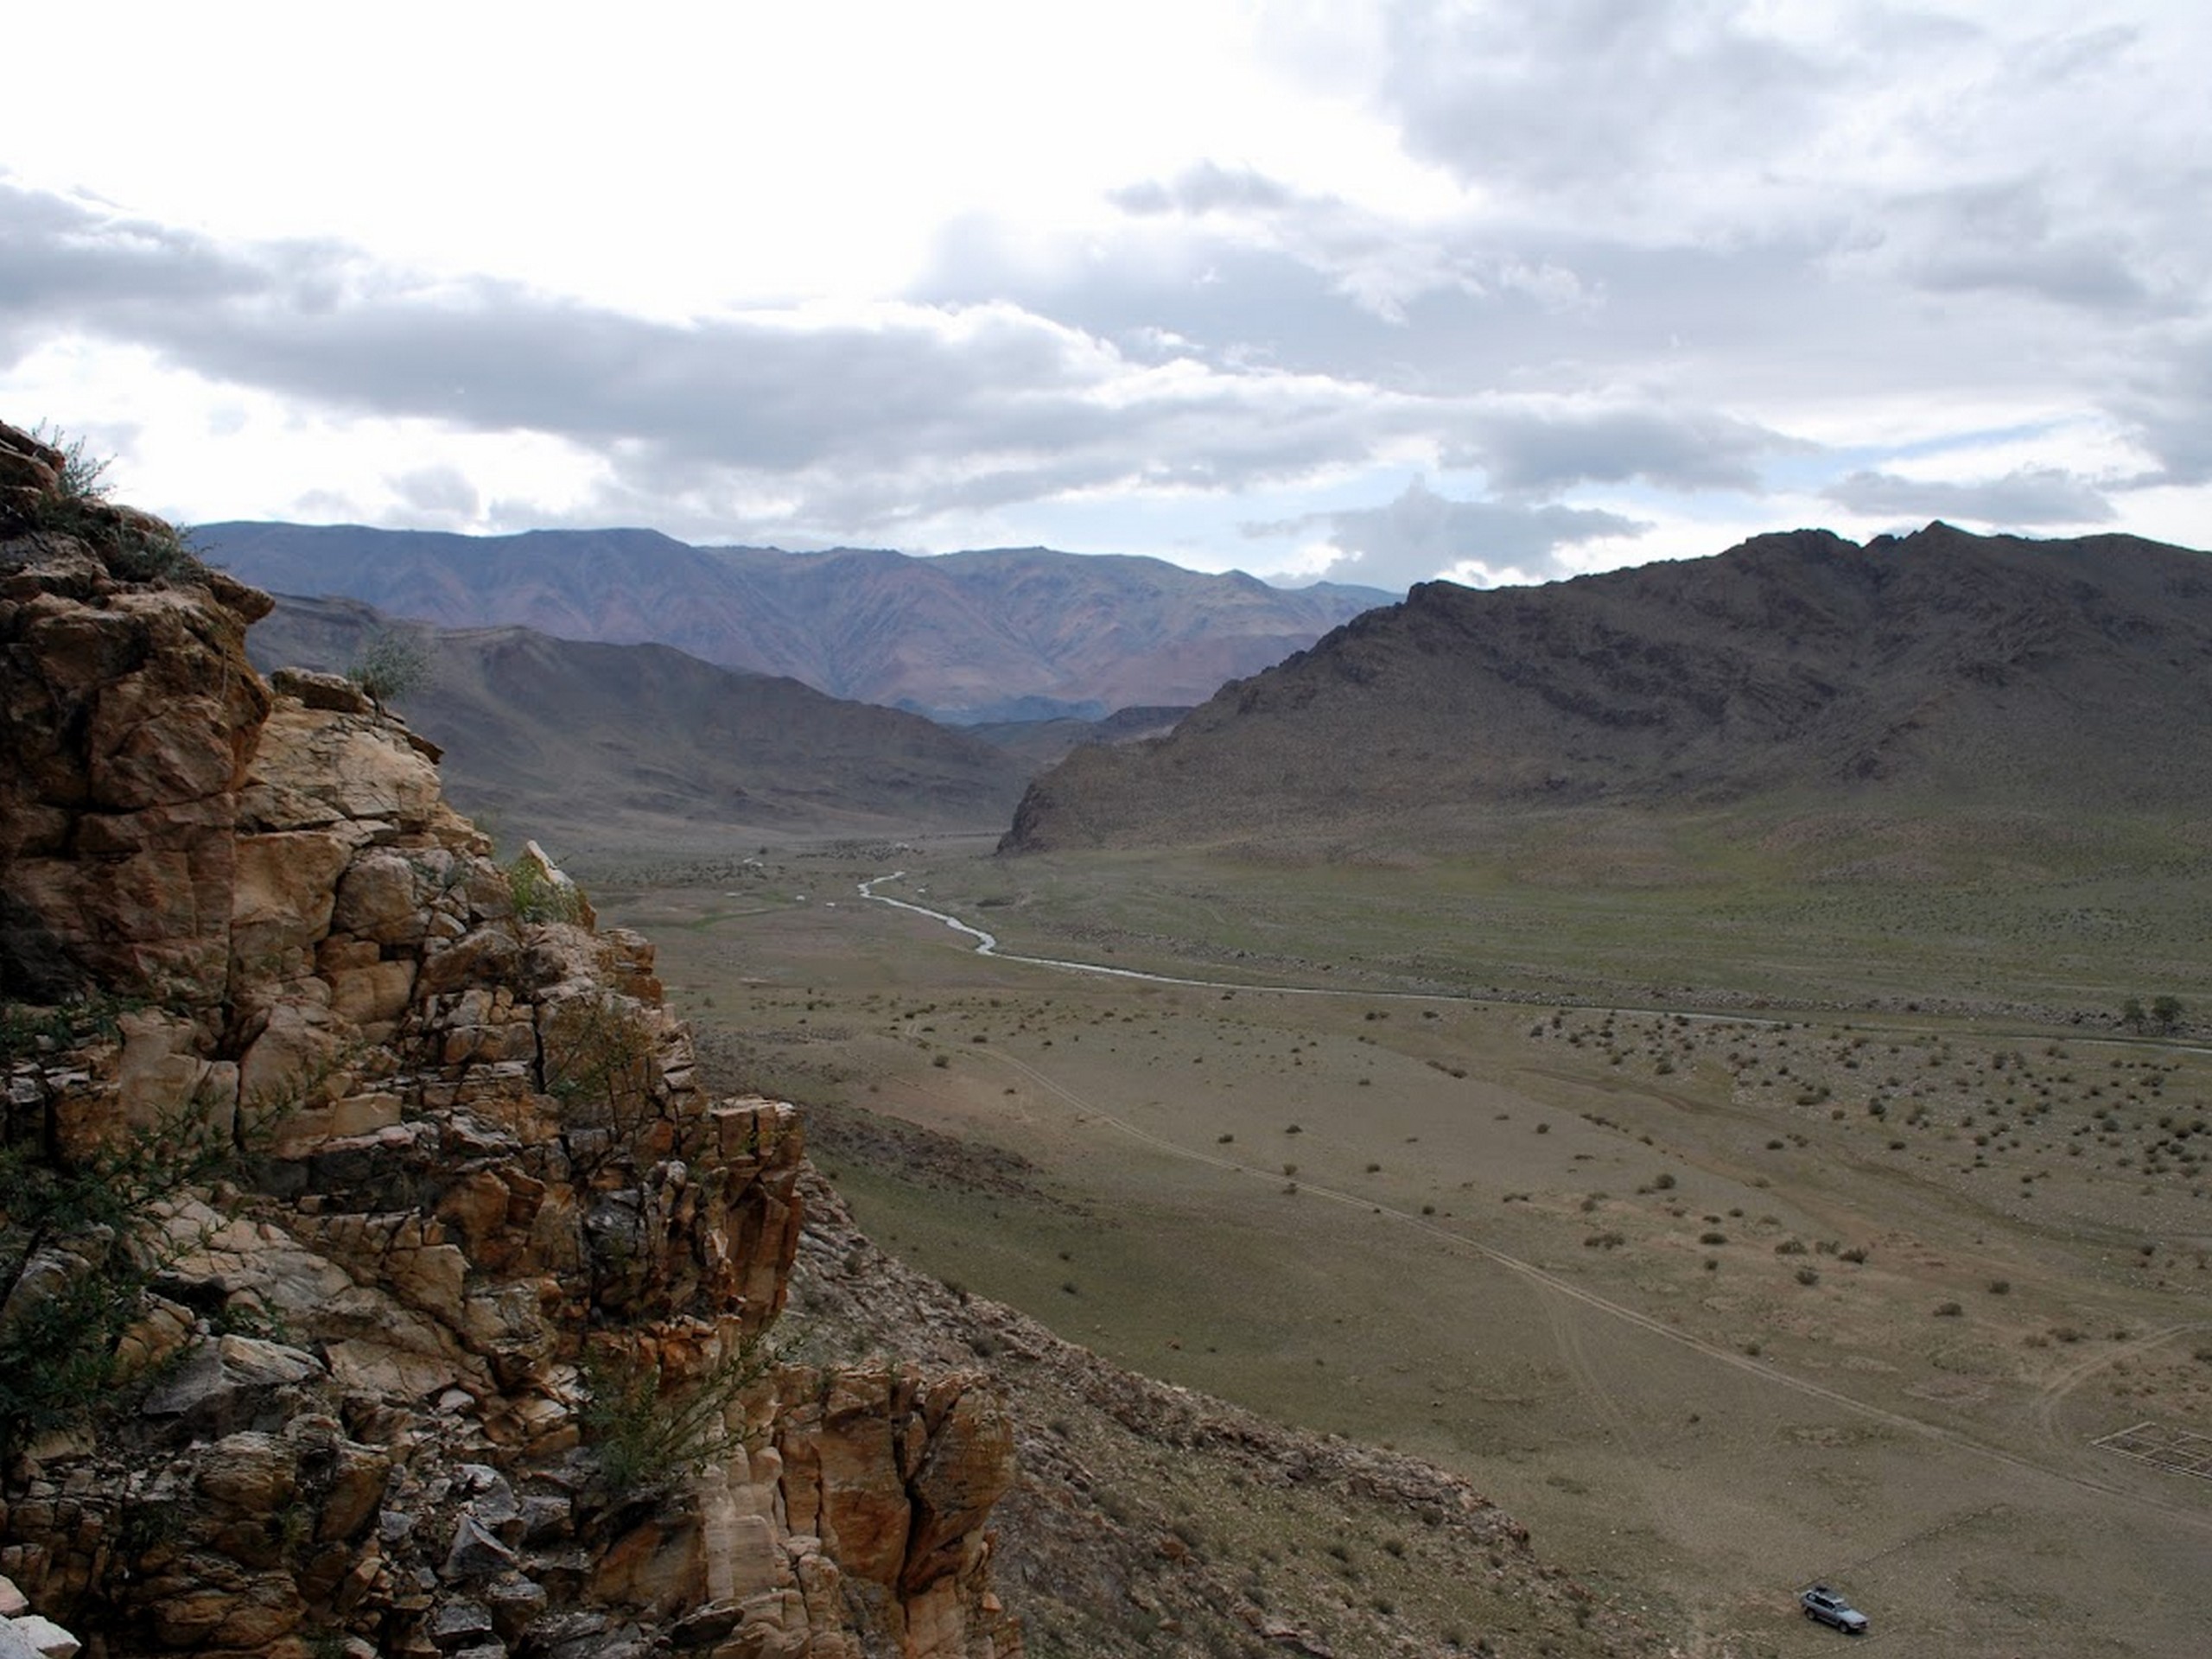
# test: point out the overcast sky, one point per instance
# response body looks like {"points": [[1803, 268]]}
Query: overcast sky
{"points": [[1504, 289]]}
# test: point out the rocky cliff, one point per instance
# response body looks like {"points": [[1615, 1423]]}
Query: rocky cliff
{"points": [[377, 1276]]}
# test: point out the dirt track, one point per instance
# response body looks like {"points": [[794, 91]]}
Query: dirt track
{"points": [[1698, 1442]]}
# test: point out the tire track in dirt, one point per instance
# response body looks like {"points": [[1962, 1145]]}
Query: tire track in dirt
{"points": [[1658, 1492], [1953, 1438], [2043, 1411], [988, 946]]}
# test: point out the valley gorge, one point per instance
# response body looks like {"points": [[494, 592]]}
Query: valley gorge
{"points": [[436, 1305]]}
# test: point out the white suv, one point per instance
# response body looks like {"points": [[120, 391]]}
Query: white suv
{"points": [[1824, 1605]]}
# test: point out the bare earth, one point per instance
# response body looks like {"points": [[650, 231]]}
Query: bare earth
{"points": [[1719, 1303]]}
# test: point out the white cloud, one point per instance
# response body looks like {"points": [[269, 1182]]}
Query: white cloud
{"points": [[2028, 498], [1131, 276], [1421, 534]]}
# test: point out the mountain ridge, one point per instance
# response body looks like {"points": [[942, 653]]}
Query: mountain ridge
{"points": [[592, 740], [1991, 669], [956, 636]]}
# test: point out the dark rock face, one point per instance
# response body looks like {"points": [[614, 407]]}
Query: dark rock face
{"points": [[1991, 671]]}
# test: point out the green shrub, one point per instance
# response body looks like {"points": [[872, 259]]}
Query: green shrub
{"points": [[537, 897], [645, 1436], [78, 1253], [138, 548], [389, 664]]}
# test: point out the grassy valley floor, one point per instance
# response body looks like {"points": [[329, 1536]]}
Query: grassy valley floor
{"points": [[1725, 1268]]}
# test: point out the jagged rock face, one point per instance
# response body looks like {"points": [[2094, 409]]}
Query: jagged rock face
{"points": [[128, 718], [481, 1187]]}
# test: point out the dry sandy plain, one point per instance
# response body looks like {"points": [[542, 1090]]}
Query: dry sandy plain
{"points": [[1719, 1303]]}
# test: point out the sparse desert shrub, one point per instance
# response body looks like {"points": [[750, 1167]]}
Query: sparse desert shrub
{"points": [[79, 1250], [391, 663], [1948, 1310], [646, 1436], [2000, 1286], [598, 1057], [138, 548], [537, 897], [1607, 1240], [83, 475], [1713, 1239], [1808, 1275], [1790, 1247]]}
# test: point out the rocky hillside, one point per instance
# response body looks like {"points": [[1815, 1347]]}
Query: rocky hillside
{"points": [[1008, 634], [632, 744], [1935, 673], [375, 1276]]}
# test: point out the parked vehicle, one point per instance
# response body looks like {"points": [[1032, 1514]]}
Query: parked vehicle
{"points": [[1824, 1606]]}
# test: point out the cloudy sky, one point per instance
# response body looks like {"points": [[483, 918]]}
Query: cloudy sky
{"points": [[1503, 290]]}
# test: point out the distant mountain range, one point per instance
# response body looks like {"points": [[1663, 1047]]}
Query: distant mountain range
{"points": [[599, 745], [1937, 671], [1012, 634]]}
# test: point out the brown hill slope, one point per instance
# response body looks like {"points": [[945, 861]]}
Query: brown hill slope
{"points": [[1940, 669], [967, 636], [604, 744]]}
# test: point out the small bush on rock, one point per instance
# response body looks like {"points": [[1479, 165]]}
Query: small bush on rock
{"points": [[646, 1436]]}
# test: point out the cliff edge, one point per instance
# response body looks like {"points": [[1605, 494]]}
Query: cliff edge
{"points": [[375, 1276]]}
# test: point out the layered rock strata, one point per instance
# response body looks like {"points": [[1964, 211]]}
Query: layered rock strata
{"points": [[446, 1296]]}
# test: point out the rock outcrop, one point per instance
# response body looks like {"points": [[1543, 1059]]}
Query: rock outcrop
{"points": [[379, 1279]]}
